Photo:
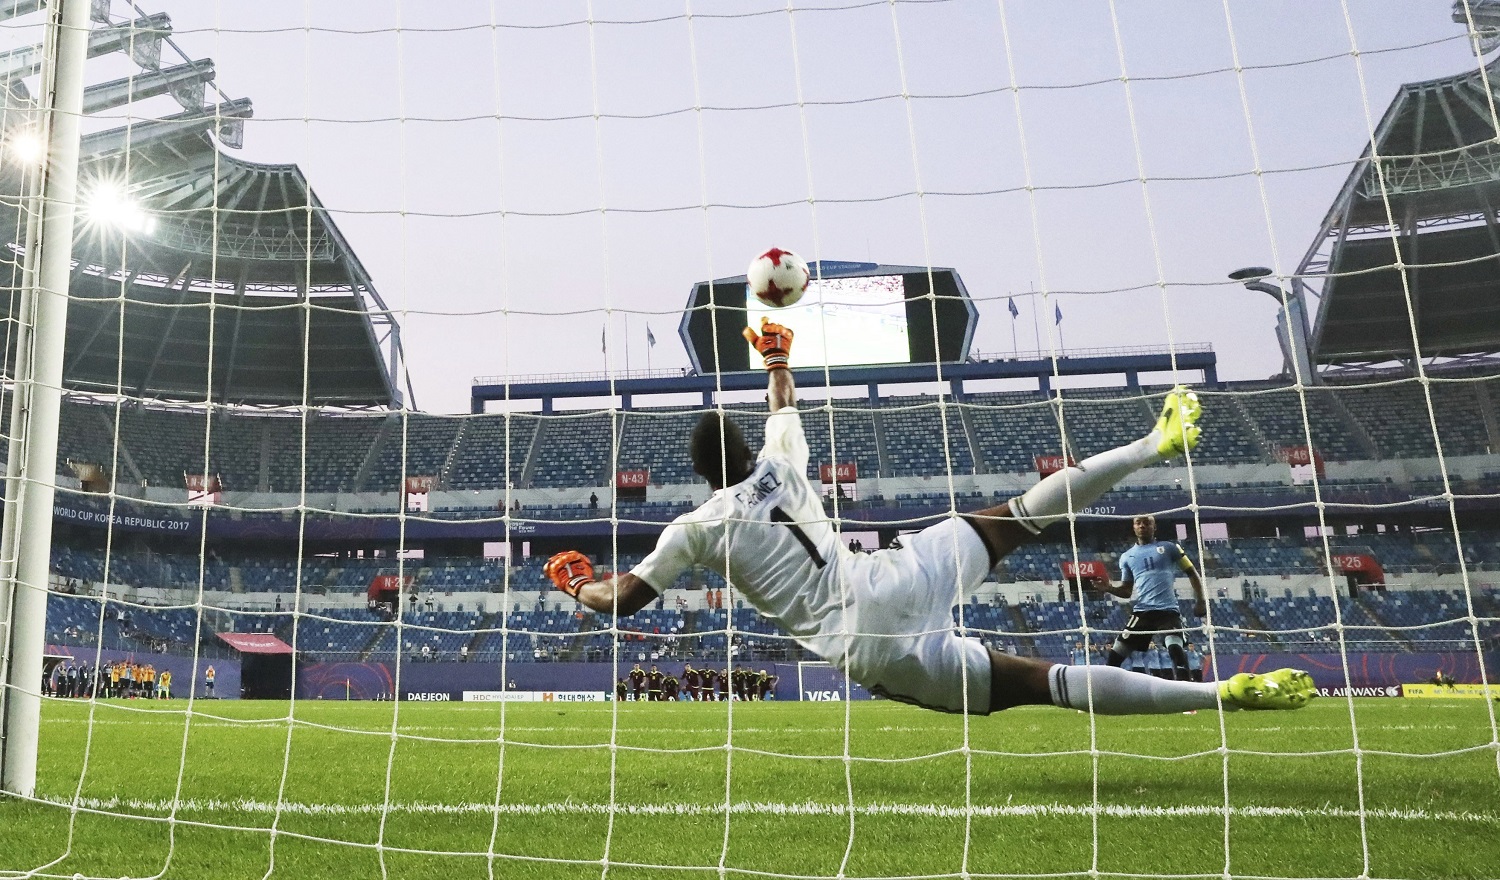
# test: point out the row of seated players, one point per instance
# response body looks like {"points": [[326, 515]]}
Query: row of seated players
{"points": [[1398, 554], [996, 432], [1396, 621]]}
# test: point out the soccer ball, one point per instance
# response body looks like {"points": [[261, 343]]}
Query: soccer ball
{"points": [[777, 278]]}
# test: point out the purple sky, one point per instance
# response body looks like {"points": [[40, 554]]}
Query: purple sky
{"points": [[422, 200]]}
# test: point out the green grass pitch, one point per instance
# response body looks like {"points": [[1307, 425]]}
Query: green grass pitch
{"points": [[1421, 800]]}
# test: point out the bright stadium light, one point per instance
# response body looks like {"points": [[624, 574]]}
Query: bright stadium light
{"points": [[108, 204], [24, 147]]}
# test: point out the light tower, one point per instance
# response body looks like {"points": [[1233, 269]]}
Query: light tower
{"points": [[1291, 322]]}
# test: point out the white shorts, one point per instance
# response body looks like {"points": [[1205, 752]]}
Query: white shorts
{"points": [[903, 645]]}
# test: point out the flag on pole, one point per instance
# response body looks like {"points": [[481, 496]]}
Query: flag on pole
{"points": [[1057, 315], [603, 346], [1014, 312], [650, 337]]}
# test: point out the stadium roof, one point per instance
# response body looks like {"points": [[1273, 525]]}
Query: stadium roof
{"points": [[226, 256], [1430, 181]]}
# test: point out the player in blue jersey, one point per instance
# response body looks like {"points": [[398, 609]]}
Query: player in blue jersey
{"points": [[1148, 575]]}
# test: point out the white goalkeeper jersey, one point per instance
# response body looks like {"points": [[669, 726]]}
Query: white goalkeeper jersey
{"points": [[769, 537]]}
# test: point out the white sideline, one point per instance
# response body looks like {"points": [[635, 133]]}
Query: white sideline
{"points": [[765, 808]]}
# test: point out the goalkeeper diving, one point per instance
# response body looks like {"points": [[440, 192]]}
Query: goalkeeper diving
{"points": [[885, 618]]}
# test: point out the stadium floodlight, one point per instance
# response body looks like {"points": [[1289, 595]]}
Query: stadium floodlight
{"points": [[109, 204], [1291, 322], [24, 147]]}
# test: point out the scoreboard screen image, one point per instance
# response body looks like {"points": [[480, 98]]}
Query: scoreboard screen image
{"points": [[844, 322], [853, 315]]}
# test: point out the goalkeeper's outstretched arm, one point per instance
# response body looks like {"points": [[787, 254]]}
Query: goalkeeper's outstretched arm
{"points": [[622, 594], [781, 391], [774, 342]]}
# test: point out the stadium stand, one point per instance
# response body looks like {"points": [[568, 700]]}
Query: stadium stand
{"points": [[1012, 428], [1399, 553], [1276, 410], [1228, 436], [1100, 419], [481, 460], [991, 432], [657, 440], [923, 437], [1398, 621], [415, 445], [575, 450], [536, 630]]}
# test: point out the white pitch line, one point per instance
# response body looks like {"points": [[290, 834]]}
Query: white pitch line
{"points": [[764, 808]]}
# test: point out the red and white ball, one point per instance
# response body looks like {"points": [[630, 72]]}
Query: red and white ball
{"points": [[777, 278]]}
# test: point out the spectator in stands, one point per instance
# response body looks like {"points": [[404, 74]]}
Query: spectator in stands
{"points": [[637, 682], [463, 653], [426, 653], [653, 684], [593, 501]]}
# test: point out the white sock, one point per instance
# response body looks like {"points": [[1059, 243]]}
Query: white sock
{"points": [[1047, 501], [1117, 692]]}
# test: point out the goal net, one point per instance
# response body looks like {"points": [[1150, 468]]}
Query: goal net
{"points": [[328, 325]]}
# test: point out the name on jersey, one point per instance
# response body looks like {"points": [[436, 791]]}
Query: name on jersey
{"points": [[757, 491]]}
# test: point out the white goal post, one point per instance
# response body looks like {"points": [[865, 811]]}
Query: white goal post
{"points": [[814, 666]]}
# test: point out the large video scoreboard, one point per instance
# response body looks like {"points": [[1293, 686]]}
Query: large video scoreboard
{"points": [[853, 314]]}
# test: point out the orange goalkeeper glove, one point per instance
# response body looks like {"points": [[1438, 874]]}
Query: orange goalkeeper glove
{"points": [[774, 342], [569, 571]]}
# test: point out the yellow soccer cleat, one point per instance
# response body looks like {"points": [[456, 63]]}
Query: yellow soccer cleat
{"points": [[1178, 424], [1282, 689]]}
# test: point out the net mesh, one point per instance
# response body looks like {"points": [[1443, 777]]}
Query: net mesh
{"points": [[241, 451]]}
